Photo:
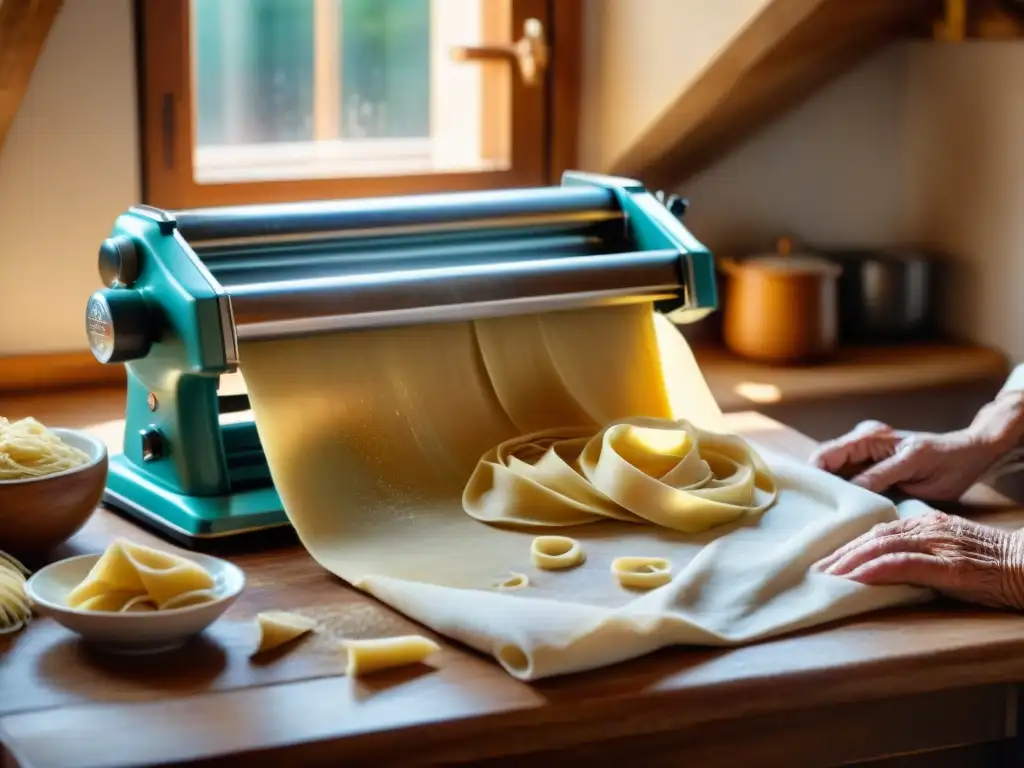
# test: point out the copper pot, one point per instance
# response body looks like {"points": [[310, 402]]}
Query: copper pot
{"points": [[781, 307]]}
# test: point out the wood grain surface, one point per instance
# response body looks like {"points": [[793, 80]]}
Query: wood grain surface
{"points": [[892, 683]]}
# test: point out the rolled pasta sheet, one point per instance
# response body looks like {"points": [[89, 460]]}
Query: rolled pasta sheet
{"points": [[374, 655], [556, 553], [642, 572], [278, 628]]}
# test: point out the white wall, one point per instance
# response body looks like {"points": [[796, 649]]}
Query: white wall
{"points": [[965, 133], [832, 172], [69, 166]]}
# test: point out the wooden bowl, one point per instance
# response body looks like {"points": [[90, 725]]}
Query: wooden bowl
{"points": [[39, 513]]}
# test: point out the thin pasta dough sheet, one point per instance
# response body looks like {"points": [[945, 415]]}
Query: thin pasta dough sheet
{"points": [[372, 438]]}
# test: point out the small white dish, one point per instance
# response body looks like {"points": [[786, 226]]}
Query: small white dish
{"points": [[132, 633]]}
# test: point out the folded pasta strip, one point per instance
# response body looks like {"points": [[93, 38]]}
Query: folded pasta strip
{"points": [[133, 577], [642, 470]]}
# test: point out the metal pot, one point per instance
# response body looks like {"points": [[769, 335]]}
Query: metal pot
{"points": [[781, 307], [885, 295]]}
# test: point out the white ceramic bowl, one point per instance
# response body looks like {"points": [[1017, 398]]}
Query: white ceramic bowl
{"points": [[132, 633], [37, 514]]}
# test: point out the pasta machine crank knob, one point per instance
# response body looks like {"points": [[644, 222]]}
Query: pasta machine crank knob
{"points": [[677, 206], [118, 262], [118, 325]]}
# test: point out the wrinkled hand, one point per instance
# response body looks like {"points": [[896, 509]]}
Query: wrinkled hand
{"points": [[959, 558], [937, 467]]}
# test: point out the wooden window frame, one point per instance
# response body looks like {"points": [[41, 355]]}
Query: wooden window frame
{"points": [[564, 26], [167, 125]]}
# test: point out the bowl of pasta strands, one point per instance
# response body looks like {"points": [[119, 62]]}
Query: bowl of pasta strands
{"points": [[51, 481]]}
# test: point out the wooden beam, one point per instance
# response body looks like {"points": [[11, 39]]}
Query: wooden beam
{"points": [[24, 25], [789, 50]]}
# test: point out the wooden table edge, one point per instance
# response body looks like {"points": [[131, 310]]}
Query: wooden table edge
{"points": [[437, 735]]}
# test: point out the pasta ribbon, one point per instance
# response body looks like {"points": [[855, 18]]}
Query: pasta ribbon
{"points": [[555, 553], [642, 470]]}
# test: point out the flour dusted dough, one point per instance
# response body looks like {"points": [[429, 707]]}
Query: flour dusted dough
{"points": [[280, 627], [380, 653], [372, 436], [133, 577]]}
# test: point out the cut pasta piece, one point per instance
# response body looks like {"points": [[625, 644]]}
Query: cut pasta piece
{"points": [[642, 572], [553, 553], [280, 627], [514, 580], [374, 655]]}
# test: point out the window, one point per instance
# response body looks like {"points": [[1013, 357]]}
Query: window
{"points": [[247, 101]]}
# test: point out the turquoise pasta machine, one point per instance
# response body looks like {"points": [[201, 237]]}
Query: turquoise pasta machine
{"points": [[183, 289]]}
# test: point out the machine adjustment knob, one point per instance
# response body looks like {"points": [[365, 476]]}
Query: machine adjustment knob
{"points": [[677, 206], [118, 262], [118, 325]]}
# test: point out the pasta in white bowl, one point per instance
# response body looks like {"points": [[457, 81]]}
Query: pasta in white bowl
{"points": [[135, 599]]}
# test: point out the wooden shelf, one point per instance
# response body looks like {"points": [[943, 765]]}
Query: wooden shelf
{"points": [[741, 385]]}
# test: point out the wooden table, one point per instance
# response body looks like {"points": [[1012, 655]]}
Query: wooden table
{"points": [[939, 677]]}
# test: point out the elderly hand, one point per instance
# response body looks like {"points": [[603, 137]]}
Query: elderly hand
{"points": [[957, 557], [936, 467]]}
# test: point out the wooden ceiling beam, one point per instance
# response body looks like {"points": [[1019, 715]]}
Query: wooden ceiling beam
{"points": [[24, 25], [785, 54]]}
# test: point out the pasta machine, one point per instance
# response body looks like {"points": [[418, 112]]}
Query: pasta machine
{"points": [[185, 288]]}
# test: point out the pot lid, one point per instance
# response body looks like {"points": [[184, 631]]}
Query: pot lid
{"points": [[783, 261], [797, 264]]}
